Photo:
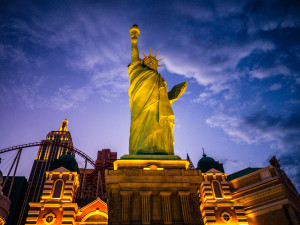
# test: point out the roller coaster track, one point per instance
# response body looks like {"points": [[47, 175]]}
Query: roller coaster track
{"points": [[29, 145]]}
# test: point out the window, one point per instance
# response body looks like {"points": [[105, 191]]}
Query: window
{"points": [[49, 218], [217, 189], [226, 217], [96, 218], [57, 189]]}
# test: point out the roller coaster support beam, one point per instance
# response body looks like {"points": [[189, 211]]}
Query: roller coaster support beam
{"points": [[83, 182], [17, 158]]}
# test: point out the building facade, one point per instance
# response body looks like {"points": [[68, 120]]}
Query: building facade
{"points": [[167, 192], [58, 204], [254, 196], [267, 194], [47, 153], [151, 190]]}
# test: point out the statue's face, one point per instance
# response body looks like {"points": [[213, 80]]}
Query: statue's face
{"points": [[151, 63]]}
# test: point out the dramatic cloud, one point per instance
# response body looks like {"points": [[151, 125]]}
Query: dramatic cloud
{"points": [[282, 132], [66, 97]]}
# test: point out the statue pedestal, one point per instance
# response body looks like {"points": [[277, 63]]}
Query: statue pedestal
{"points": [[150, 164], [153, 191], [156, 157]]}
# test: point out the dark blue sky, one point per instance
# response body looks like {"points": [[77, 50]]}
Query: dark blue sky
{"points": [[241, 60]]}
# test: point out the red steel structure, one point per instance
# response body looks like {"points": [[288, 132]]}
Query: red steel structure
{"points": [[92, 181]]}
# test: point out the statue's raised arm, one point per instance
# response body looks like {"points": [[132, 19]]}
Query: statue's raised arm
{"points": [[134, 34]]}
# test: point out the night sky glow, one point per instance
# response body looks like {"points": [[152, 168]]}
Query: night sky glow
{"points": [[241, 60]]}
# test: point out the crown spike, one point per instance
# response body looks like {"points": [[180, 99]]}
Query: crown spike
{"points": [[160, 60], [156, 54], [144, 54], [150, 52]]}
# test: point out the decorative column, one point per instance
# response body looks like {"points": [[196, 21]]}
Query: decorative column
{"points": [[126, 206], [185, 205], [292, 215], [166, 207], [146, 218]]}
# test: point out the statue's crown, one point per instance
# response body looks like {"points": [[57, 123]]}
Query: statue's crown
{"points": [[152, 58]]}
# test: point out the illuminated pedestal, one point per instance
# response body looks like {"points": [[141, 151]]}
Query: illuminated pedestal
{"points": [[149, 191]]}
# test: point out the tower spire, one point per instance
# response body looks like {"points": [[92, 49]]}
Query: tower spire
{"points": [[204, 155], [64, 125], [191, 165]]}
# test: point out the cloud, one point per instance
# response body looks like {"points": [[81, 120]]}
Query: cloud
{"points": [[281, 16], [275, 87], [267, 72], [260, 126], [29, 94], [202, 97], [232, 165], [219, 42], [208, 49], [232, 126], [290, 162], [67, 98], [212, 66], [281, 132], [8, 52], [79, 42], [111, 83]]}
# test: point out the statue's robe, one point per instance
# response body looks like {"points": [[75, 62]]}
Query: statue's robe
{"points": [[152, 117]]}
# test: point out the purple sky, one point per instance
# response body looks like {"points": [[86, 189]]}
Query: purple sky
{"points": [[241, 60]]}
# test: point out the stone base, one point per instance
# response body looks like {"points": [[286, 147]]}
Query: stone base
{"points": [[153, 191]]}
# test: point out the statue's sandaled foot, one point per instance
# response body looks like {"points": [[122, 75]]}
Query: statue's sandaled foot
{"points": [[177, 91]]}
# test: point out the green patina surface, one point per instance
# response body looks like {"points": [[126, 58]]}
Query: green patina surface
{"points": [[207, 163], [241, 173], [66, 161]]}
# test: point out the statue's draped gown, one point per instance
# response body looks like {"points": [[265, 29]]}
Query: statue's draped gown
{"points": [[152, 117]]}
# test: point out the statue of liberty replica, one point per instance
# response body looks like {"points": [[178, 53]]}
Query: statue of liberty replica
{"points": [[151, 185], [152, 117]]}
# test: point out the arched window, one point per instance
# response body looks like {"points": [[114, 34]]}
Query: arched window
{"points": [[57, 189], [217, 189], [95, 217], [226, 217]]}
